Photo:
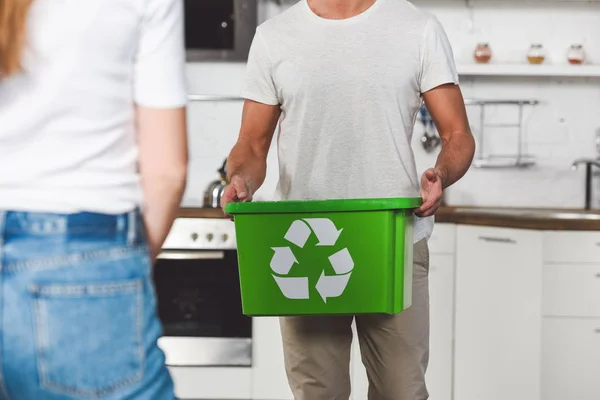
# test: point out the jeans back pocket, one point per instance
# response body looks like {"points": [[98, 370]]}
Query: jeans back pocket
{"points": [[89, 337]]}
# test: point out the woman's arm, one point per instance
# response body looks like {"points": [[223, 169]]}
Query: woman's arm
{"points": [[160, 96], [163, 161]]}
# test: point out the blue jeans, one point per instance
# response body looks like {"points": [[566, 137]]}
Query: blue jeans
{"points": [[78, 310]]}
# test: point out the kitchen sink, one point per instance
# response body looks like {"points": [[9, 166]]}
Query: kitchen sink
{"points": [[532, 213]]}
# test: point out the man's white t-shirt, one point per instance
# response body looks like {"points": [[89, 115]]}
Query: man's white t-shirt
{"points": [[349, 92], [67, 133]]}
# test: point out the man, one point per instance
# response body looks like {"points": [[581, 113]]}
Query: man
{"points": [[345, 80]]}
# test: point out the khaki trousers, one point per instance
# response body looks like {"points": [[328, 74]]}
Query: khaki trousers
{"points": [[394, 348]]}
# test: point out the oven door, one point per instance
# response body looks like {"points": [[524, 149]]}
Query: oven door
{"points": [[219, 29], [199, 305]]}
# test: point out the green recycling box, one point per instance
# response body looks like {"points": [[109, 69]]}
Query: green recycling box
{"points": [[325, 257]]}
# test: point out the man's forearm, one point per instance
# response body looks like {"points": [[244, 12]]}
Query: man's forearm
{"points": [[456, 157], [247, 163]]}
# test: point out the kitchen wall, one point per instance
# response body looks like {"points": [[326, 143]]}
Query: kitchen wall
{"points": [[560, 129]]}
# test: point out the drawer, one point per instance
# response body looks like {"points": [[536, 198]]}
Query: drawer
{"points": [[572, 247], [570, 359], [443, 239], [571, 290]]}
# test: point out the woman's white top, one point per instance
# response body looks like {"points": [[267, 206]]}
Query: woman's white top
{"points": [[67, 126]]}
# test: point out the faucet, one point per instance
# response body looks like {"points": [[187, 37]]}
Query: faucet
{"points": [[588, 177]]}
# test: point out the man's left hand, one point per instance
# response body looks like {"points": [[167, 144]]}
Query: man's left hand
{"points": [[431, 192]]}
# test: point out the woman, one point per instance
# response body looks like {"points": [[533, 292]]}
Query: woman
{"points": [[92, 116]]}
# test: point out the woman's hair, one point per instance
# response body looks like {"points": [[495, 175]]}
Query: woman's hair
{"points": [[13, 23]]}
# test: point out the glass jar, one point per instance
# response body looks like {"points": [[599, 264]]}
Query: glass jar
{"points": [[536, 54], [483, 53], [576, 54]]}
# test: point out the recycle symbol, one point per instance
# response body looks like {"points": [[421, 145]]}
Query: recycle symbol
{"points": [[283, 260]]}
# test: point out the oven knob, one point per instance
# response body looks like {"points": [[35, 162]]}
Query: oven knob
{"points": [[225, 237], [210, 237], [194, 236]]}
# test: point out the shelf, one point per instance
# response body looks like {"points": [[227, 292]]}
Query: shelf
{"points": [[498, 162], [213, 97], [584, 71]]}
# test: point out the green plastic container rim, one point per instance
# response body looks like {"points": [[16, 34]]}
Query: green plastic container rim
{"points": [[322, 206]]}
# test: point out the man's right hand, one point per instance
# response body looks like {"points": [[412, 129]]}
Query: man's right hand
{"points": [[238, 190], [247, 162]]}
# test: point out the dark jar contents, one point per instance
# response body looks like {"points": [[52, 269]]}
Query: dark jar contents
{"points": [[536, 54], [483, 53], [576, 55]]}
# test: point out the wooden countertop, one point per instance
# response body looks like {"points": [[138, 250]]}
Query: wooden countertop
{"points": [[520, 218], [200, 213]]}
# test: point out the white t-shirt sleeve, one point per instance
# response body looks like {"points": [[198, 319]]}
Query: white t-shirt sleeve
{"points": [[259, 85], [159, 71], [437, 59]]}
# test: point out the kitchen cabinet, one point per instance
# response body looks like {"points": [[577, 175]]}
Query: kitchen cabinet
{"points": [[269, 381], [441, 293], [572, 247], [571, 359], [441, 310], [571, 327], [442, 249], [571, 290], [514, 315], [213, 383], [498, 314]]}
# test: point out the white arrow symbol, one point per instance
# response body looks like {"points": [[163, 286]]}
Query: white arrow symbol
{"points": [[293, 288], [342, 262], [332, 286], [298, 233], [325, 231], [283, 260]]}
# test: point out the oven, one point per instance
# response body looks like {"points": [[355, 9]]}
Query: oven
{"points": [[217, 30], [206, 339]]}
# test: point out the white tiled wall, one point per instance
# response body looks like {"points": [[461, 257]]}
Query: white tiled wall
{"points": [[558, 130]]}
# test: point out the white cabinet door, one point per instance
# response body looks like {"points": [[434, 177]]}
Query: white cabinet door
{"points": [[572, 247], [498, 314], [571, 290], [443, 239], [269, 381], [441, 305], [571, 359]]}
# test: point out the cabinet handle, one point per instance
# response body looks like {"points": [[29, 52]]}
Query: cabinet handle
{"points": [[497, 239], [597, 330], [598, 275]]}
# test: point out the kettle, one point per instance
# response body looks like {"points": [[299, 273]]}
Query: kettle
{"points": [[214, 191]]}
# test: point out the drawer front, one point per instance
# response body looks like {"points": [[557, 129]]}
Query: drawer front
{"points": [[571, 290], [441, 292], [443, 239], [570, 359], [572, 247]]}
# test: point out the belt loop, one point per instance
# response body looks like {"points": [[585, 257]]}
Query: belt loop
{"points": [[131, 227]]}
